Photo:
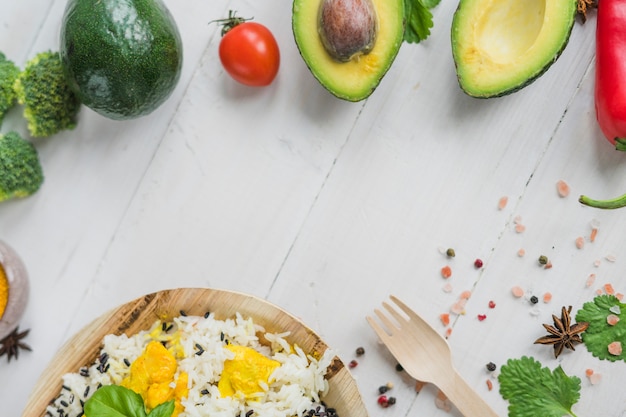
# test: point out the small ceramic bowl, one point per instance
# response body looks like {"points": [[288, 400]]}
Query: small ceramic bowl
{"points": [[18, 289]]}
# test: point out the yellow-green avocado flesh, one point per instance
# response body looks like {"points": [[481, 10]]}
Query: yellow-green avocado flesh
{"points": [[356, 79], [501, 46]]}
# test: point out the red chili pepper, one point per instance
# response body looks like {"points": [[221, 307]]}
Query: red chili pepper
{"points": [[610, 87]]}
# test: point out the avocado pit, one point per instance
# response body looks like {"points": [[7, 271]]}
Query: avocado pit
{"points": [[347, 28]]}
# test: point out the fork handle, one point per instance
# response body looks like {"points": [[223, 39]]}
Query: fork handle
{"points": [[466, 400]]}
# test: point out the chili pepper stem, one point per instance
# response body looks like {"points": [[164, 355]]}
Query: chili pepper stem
{"points": [[610, 204], [620, 144]]}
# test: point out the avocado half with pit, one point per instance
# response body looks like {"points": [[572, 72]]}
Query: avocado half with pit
{"points": [[501, 46], [348, 45]]}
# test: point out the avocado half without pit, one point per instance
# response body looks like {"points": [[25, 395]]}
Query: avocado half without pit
{"points": [[348, 45], [501, 46]]}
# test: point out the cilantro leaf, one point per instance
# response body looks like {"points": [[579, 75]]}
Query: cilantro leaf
{"points": [[429, 3], [117, 401], [419, 19], [535, 391], [600, 334]]}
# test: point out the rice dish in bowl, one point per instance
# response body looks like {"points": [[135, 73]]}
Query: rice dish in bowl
{"points": [[200, 345], [247, 357]]}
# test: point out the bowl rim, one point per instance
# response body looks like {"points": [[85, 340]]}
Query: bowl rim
{"points": [[84, 346]]}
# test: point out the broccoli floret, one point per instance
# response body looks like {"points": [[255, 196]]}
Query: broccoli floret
{"points": [[20, 170], [49, 104], [8, 74]]}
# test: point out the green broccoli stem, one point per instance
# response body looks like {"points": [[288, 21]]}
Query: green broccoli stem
{"points": [[610, 204]]}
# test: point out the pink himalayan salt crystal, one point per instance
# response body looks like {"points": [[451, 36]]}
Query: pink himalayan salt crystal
{"points": [[612, 319], [518, 292], [447, 287], [590, 280], [580, 242], [502, 202], [465, 295], [446, 272], [442, 402], [459, 306], [615, 348], [562, 188], [521, 252], [547, 297], [595, 378]]}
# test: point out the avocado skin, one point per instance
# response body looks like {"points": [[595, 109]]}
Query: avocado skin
{"points": [[122, 58], [533, 73], [338, 78]]}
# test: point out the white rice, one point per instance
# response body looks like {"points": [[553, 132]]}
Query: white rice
{"points": [[295, 387]]}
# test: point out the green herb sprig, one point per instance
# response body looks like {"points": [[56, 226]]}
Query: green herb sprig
{"points": [[117, 401], [600, 334], [419, 19], [535, 391]]}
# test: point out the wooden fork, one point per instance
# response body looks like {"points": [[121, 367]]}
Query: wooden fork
{"points": [[425, 355]]}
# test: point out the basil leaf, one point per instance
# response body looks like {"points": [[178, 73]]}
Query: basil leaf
{"points": [[115, 401], [163, 410]]}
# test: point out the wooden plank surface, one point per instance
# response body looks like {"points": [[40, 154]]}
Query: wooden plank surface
{"points": [[325, 207]]}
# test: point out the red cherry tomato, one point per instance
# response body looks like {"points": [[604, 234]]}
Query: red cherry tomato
{"points": [[249, 52]]}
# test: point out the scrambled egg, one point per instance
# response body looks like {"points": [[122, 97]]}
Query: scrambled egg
{"points": [[244, 374], [153, 376]]}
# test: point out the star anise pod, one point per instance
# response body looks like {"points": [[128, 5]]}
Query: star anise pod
{"points": [[563, 333], [12, 344]]}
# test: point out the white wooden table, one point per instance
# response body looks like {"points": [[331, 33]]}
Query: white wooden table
{"points": [[325, 207]]}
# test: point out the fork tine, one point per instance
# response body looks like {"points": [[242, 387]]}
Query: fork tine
{"points": [[407, 310], [382, 334], [394, 313], [412, 314], [391, 326]]}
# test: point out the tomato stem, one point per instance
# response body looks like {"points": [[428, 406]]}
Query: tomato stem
{"points": [[230, 22], [610, 204]]}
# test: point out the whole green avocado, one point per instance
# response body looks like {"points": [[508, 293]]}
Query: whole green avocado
{"points": [[122, 58]]}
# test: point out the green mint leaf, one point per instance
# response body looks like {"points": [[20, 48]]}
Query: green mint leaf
{"points": [[419, 20], [535, 391], [600, 333], [115, 401], [163, 410]]}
